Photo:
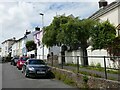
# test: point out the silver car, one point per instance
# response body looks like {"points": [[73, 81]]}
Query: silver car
{"points": [[35, 67]]}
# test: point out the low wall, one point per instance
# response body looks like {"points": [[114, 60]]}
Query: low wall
{"points": [[83, 81]]}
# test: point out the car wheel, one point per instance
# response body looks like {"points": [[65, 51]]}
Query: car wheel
{"points": [[18, 68], [22, 70], [25, 73], [14, 64]]}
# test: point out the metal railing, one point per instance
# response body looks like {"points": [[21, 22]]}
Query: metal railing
{"points": [[102, 71]]}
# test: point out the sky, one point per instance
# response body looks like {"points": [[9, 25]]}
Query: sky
{"points": [[17, 16]]}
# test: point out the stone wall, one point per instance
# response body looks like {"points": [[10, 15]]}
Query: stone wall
{"points": [[91, 82]]}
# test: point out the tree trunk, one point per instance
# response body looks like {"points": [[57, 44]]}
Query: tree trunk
{"points": [[85, 57]]}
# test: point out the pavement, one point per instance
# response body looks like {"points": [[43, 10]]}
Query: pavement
{"points": [[13, 78], [100, 73]]}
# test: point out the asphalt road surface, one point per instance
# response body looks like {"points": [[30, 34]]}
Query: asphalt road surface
{"points": [[13, 78], [0, 76]]}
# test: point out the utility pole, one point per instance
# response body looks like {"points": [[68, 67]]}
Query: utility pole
{"points": [[42, 33]]}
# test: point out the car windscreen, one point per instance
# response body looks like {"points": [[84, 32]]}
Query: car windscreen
{"points": [[16, 58], [24, 58], [40, 62]]}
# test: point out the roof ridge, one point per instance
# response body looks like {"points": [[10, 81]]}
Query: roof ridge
{"points": [[104, 10]]}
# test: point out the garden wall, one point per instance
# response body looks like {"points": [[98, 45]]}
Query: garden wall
{"points": [[83, 81]]}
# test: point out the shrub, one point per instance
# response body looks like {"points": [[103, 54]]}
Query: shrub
{"points": [[98, 65], [30, 45], [85, 79]]}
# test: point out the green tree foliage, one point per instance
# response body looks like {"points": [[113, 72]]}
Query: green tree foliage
{"points": [[102, 35], [69, 31], [30, 45], [51, 31], [114, 47]]}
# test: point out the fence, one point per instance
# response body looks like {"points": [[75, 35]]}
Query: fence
{"points": [[99, 69]]}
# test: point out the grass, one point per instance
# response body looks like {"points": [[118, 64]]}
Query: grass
{"points": [[97, 68], [71, 64], [87, 73], [64, 78], [112, 71]]}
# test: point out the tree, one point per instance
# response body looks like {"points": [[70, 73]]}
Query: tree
{"points": [[75, 33], [30, 45], [114, 47], [102, 35], [69, 31], [51, 31]]}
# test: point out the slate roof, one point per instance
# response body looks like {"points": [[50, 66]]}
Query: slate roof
{"points": [[104, 10], [8, 40]]}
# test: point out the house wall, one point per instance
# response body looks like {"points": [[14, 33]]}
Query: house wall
{"points": [[13, 50], [23, 49], [20, 47], [23, 46], [17, 48], [71, 57], [112, 16], [96, 60], [55, 50], [5, 48], [40, 52], [38, 39]]}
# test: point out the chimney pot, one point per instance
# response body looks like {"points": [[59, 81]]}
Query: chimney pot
{"points": [[102, 3]]}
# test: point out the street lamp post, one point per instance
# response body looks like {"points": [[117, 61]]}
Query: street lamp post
{"points": [[42, 33]]}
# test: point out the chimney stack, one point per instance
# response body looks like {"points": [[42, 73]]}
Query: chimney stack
{"points": [[102, 3], [37, 29], [27, 32]]}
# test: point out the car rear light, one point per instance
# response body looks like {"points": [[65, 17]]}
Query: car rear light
{"points": [[21, 63]]}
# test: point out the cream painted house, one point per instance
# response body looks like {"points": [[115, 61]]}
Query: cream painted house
{"points": [[17, 48], [14, 51], [7, 47], [109, 12]]}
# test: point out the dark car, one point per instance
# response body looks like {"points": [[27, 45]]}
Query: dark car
{"points": [[14, 60], [35, 67]]}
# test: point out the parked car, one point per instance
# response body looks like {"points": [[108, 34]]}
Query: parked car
{"points": [[21, 61], [14, 60], [35, 67]]}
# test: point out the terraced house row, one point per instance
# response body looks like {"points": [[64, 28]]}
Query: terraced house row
{"points": [[106, 11]]}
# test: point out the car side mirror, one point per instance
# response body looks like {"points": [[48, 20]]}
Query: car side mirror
{"points": [[25, 63]]}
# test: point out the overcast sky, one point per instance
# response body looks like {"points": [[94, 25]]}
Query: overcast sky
{"points": [[18, 15]]}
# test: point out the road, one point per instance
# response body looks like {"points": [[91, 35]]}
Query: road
{"points": [[13, 78]]}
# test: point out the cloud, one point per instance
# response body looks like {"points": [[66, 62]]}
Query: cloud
{"points": [[55, 0], [16, 17]]}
